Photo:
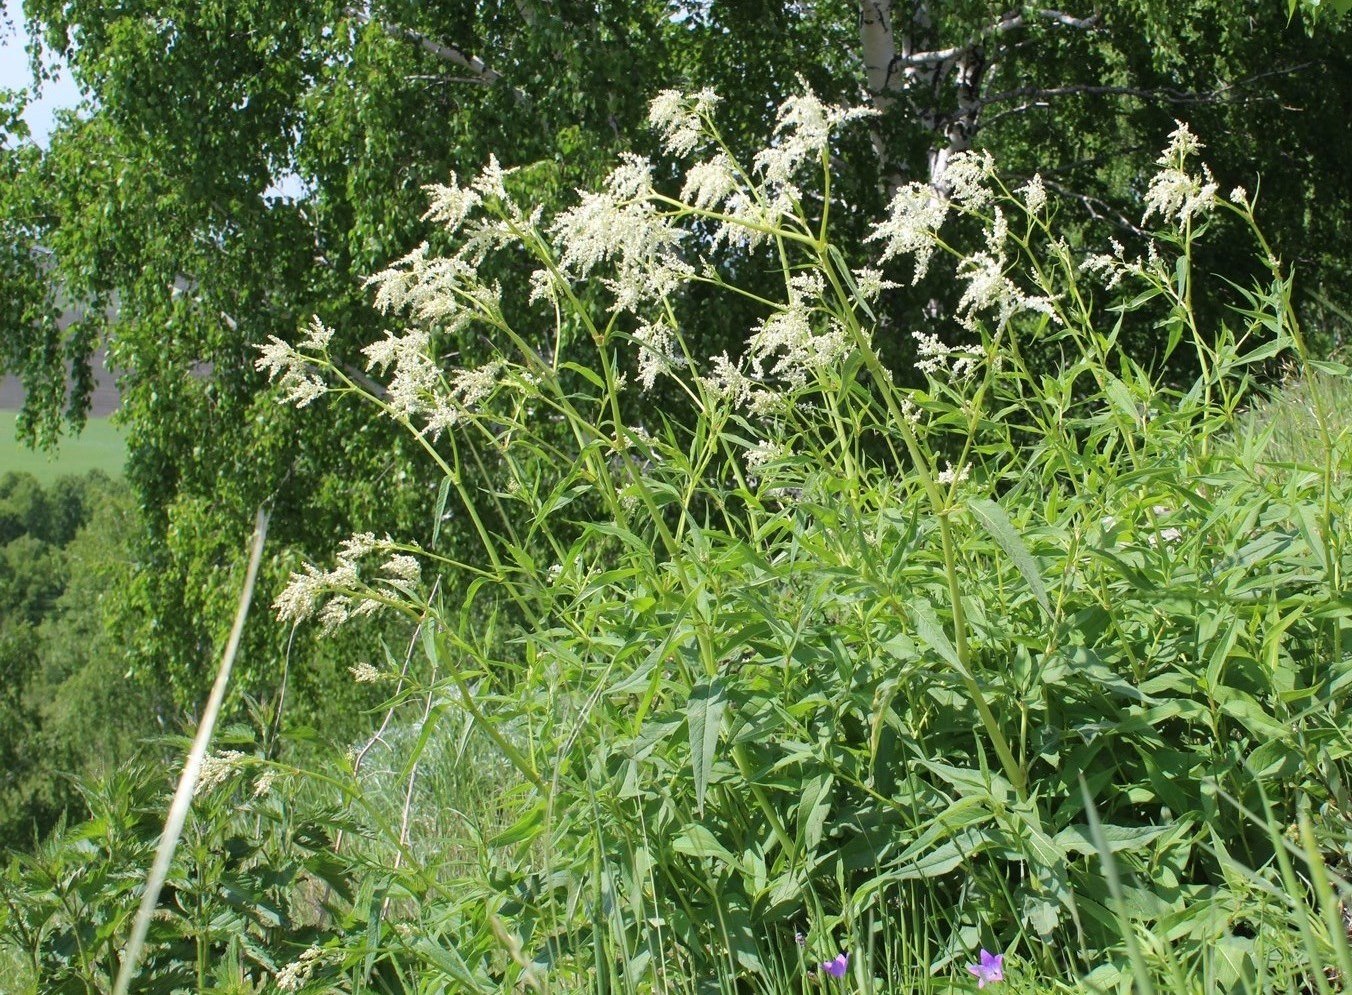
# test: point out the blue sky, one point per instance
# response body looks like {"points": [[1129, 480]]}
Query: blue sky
{"points": [[14, 74]]}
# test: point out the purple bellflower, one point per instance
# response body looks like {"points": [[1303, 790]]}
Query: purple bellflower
{"points": [[837, 967], [990, 968]]}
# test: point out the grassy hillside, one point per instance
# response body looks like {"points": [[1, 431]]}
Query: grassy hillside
{"points": [[99, 447]]}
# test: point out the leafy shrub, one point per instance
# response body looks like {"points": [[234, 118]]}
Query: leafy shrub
{"points": [[803, 662], [814, 641], [246, 896]]}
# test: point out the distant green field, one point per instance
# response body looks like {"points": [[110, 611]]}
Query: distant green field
{"points": [[99, 447]]}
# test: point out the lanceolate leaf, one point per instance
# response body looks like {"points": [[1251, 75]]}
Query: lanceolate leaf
{"points": [[704, 717], [997, 523], [927, 627], [1077, 839]]}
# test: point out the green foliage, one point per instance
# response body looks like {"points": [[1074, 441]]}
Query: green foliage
{"points": [[1011, 655], [1300, 420], [166, 198], [246, 894], [69, 706], [1313, 11], [1042, 659]]}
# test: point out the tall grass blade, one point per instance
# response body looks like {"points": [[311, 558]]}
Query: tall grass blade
{"points": [[187, 781], [1138, 965]]}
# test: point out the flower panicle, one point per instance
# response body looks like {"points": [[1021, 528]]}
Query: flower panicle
{"points": [[334, 596]]}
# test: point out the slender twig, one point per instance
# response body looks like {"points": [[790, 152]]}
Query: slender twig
{"points": [[379, 735], [1006, 24], [187, 781], [1164, 94], [408, 790]]}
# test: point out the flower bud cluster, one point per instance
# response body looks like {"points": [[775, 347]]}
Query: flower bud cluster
{"points": [[1174, 193], [336, 595]]}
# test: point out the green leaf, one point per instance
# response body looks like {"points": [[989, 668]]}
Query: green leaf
{"points": [[697, 841], [927, 627], [704, 719], [1121, 399], [1078, 839], [739, 934], [998, 525], [813, 809], [527, 827], [942, 860], [443, 495], [1246, 710], [445, 957]]}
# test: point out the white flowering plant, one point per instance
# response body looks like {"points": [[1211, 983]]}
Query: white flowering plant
{"points": [[786, 650]]}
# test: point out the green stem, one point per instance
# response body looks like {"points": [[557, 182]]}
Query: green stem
{"points": [[763, 803], [941, 510]]}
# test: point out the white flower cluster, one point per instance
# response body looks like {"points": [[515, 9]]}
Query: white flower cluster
{"points": [[914, 218], [656, 351], [402, 568], [348, 593], [437, 292], [416, 388], [445, 291], [631, 179], [965, 179], [788, 339], [869, 284], [451, 204], [935, 358], [710, 184], [949, 475], [294, 976], [989, 290], [1113, 267], [802, 133], [727, 384], [1034, 195], [291, 371], [679, 118], [765, 452], [918, 210], [622, 225], [217, 768], [364, 673], [409, 390], [266, 781], [466, 390], [1174, 193]]}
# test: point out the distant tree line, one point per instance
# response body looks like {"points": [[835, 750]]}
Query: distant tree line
{"points": [[68, 707]]}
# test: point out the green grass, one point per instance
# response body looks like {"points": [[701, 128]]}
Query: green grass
{"points": [[1288, 422], [15, 970], [99, 447]]}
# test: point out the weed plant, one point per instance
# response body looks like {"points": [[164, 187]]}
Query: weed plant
{"points": [[777, 674]]}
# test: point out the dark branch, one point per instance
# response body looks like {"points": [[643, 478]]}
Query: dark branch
{"points": [[1097, 208], [1066, 20], [1038, 95], [1009, 22], [482, 71]]}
